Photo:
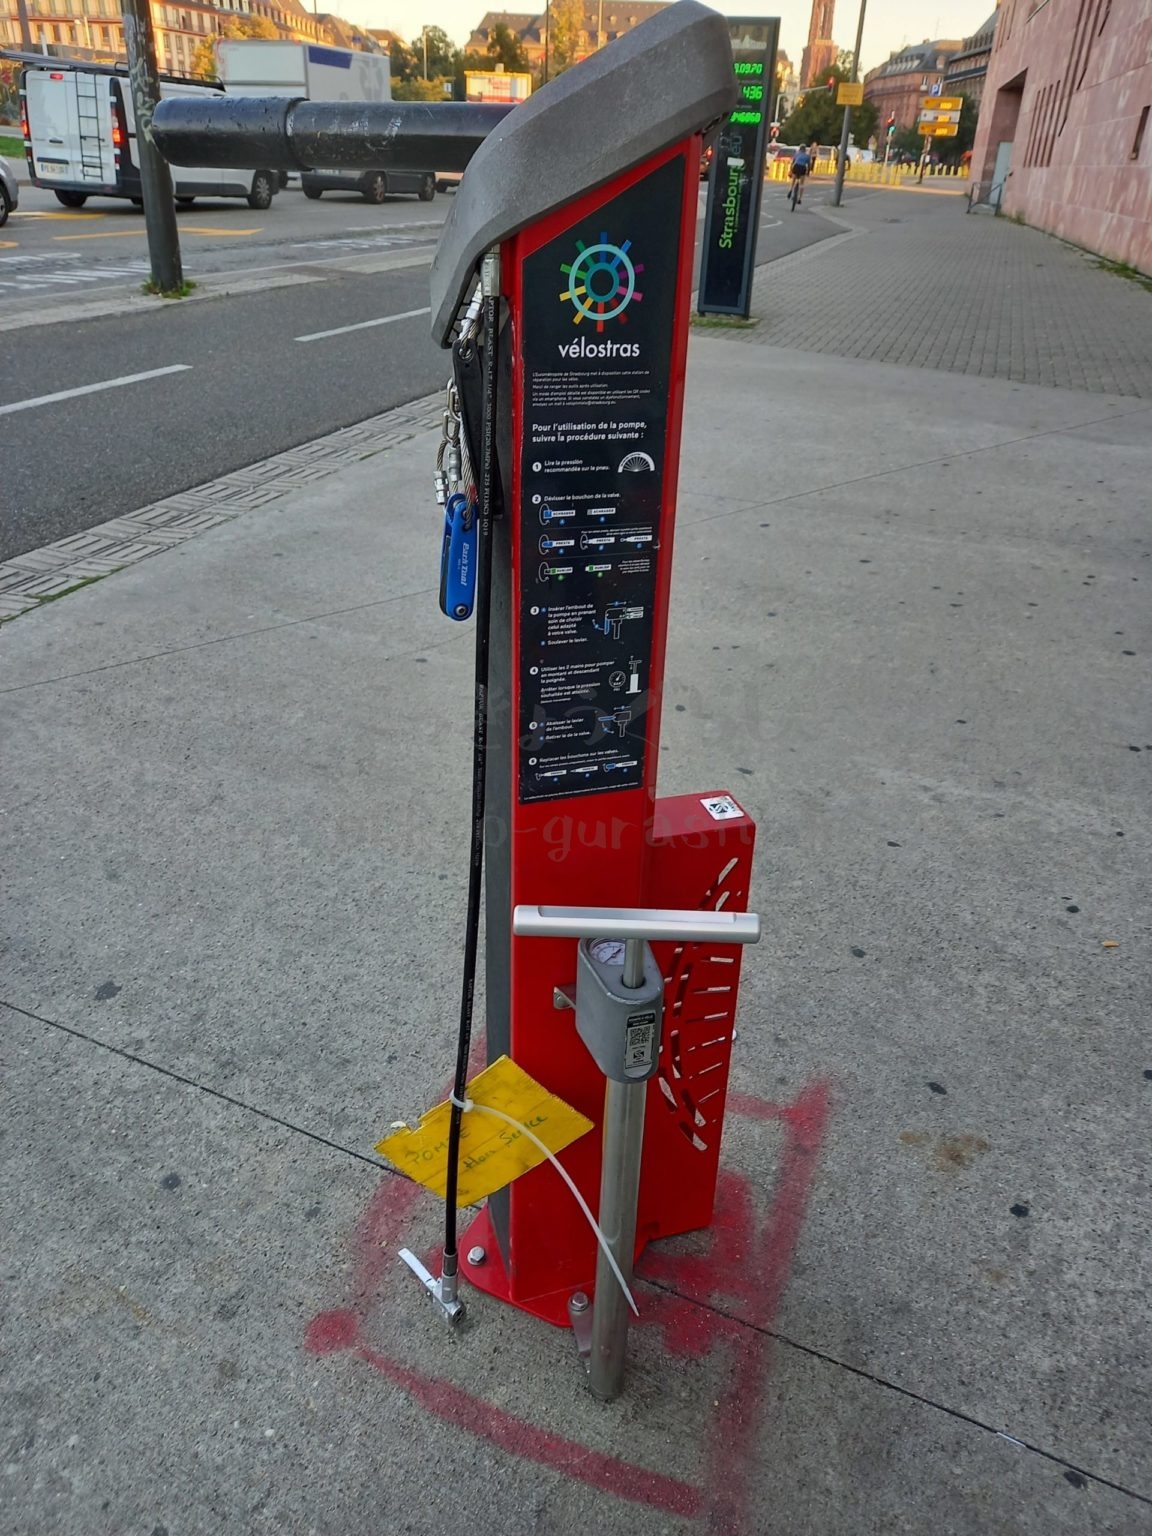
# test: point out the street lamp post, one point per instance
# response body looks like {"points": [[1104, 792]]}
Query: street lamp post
{"points": [[547, 35], [25, 27], [424, 40], [843, 155]]}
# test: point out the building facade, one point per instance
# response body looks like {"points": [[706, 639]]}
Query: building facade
{"points": [[91, 29], [897, 85], [600, 22], [965, 71], [1064, 133], [819, 51]]}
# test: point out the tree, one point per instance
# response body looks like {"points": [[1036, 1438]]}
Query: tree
{"points": [[817, 119], [403, 63], [9, 92], [564, 34], [203, 65], [418, 90], [463, 63], [435, 45], [966, 129], [906, 141], [504, 47]]}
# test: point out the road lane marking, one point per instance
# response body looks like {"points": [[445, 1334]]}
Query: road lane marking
{"points": [[103, 234], [42, 213], [204, 229], [364, 325], [92, 389], [9, 245]]}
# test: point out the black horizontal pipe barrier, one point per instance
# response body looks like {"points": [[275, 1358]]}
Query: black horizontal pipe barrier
{"points": [[276, 133]]}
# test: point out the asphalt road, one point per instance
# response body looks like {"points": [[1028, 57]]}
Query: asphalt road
{"points": [[48, 252], [248, 387], [227, 382]]}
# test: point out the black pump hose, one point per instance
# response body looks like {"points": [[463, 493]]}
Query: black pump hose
{"points": [[491, 322]]}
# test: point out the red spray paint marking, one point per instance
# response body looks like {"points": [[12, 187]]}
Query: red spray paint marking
{"points": [[751, 1268], [734, 1429], [608, 1473]]}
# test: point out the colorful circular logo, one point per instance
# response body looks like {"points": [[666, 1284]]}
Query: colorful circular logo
{"points": [[601, 281]]}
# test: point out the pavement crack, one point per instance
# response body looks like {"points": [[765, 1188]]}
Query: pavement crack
{"points": [[893, 1386], [770, 1333], [241, 634], [899, 469], [191, 1082]]}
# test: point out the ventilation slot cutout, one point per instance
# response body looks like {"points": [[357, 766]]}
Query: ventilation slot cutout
{"points": [[674, 1057], [708, 1044], [701, 1146]]}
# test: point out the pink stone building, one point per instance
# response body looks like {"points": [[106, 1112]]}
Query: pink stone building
{"points": [[1064, 135]]}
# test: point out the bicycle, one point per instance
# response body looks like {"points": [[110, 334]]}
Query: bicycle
{"points": [[794, 194]]}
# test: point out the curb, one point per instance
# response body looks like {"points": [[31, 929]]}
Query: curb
{"points": [[42, 575]]}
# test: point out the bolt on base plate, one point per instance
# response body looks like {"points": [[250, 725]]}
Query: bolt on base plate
{"points": [[442, 1292], [580, 1315]]}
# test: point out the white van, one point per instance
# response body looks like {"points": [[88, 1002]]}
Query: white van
{"points": [[80, 138]]}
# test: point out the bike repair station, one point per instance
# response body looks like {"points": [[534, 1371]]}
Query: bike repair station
{"points": [[614, 920]]}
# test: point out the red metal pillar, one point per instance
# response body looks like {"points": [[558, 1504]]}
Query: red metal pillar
{"points": [[598, 301]]}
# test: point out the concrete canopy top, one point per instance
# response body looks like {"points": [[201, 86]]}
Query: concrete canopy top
{"points": [[668, 78]]}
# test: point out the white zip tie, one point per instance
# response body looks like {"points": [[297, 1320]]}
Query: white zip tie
{"points": [[486, 1109]]}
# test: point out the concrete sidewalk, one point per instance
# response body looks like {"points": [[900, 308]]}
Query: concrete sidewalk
{"points": [[235, 784]]}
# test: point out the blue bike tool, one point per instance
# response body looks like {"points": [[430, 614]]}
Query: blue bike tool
{"points": [[458, 558]]}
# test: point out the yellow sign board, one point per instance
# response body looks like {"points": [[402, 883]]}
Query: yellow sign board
{"points": [[941, 103], [492, 1151], [939, 130], [849, 94]]}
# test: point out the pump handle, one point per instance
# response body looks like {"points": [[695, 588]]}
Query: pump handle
{"points": [[652, 923]]}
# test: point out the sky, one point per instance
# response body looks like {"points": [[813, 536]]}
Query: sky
{"points": [[888, 24]]}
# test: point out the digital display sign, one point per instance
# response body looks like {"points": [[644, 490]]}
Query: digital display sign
{"points": [[736, 177]]}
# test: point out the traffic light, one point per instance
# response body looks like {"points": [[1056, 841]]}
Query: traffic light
{"points": [[831, 82]]}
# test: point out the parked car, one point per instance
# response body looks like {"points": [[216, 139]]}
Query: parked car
{"points": [[373, 186], [9, 196]]}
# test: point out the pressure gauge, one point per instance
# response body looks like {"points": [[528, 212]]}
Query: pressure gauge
{"points": [[607, 951]]}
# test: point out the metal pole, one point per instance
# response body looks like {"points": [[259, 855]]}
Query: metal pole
{"points": [[424, 38], [840, 162], [619, 1190], [25, 27], [547, 36], [923, 162], [155, 177]]}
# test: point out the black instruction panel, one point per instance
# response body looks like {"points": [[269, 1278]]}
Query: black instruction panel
{"points": [[599, 305]]}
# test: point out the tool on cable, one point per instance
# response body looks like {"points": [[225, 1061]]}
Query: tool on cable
{"points": [[476, 348]]}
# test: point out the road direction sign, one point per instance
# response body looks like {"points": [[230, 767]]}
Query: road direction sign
{"points": [[939, 130], [850, 94], [941, 103]]}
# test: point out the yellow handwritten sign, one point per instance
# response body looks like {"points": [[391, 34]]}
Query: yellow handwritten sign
{"points": [[849, 94], [492, 1152]]}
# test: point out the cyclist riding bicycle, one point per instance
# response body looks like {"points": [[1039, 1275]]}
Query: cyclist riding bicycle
{"points": [[801, 165]]}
